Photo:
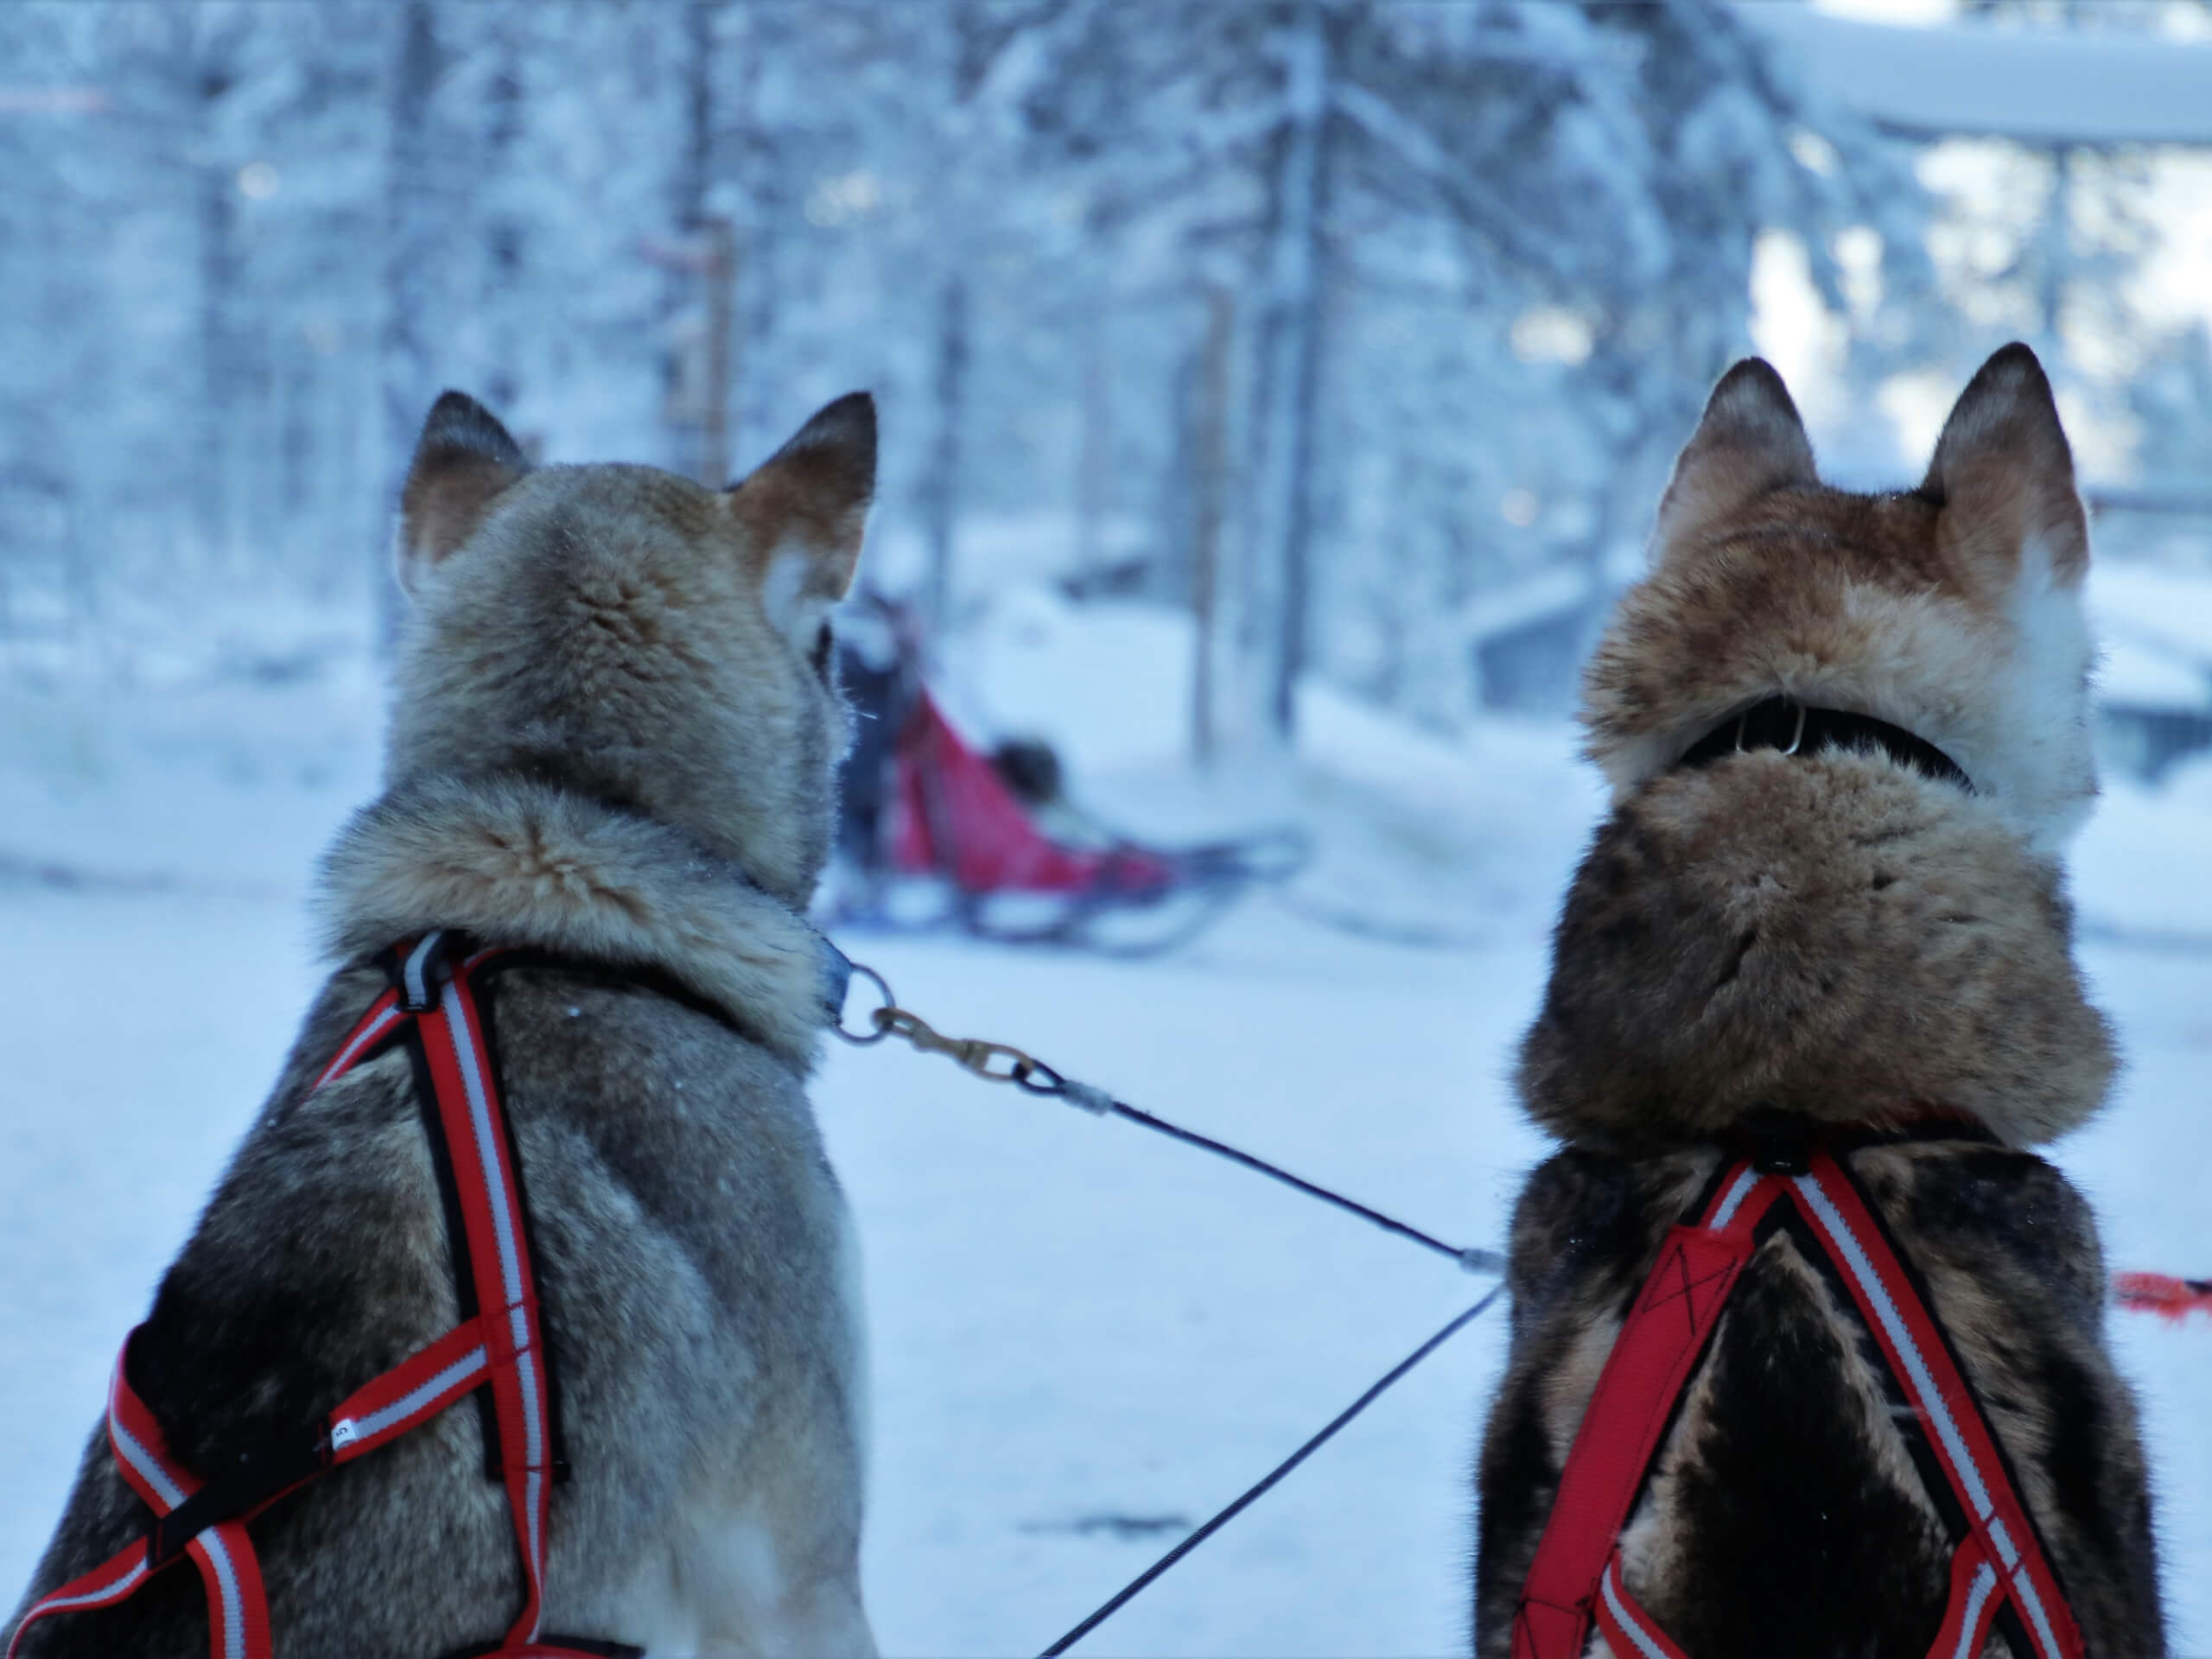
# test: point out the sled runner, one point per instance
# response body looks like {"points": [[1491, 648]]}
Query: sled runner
{"points": [[923, 809], [433, 1006], [1998, 1570]]}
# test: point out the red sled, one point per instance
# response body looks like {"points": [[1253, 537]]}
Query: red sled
{"points": [[934, 835]]}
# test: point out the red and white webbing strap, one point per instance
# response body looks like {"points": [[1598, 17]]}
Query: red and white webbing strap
{"points": [[1575, 1579], [507, 1342], [1658, 1346], [498, 1256], [1627, 1630], [112, 1581], [383, 1018], [238, 1612], [1921, 1362], [410, 1394], [401, 1399], [1632, 1633], [500, 1343], [1973, 1607]]}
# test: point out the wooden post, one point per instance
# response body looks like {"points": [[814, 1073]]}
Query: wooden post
{"points": [[1094, 453], [700, 348], [1209, 490], [941, 495], [411, 246]]}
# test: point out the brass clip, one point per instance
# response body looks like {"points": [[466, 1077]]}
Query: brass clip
{"points": [[984, 1059]]}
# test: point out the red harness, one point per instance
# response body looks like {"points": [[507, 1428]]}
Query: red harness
{"points": [[434, 1006], [1999, 1566]]}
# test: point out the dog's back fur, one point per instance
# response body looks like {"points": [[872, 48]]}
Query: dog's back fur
{"points": [[1844, 939], [613, 740]]}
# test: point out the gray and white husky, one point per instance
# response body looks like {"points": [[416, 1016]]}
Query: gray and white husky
{"points": [[612, 742]]}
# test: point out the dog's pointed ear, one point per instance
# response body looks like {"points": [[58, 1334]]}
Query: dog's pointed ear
{"points": [[464, 461], [803, 511], [1750, 442], [2003, 475]]}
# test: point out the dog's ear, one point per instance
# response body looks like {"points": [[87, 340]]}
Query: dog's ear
{"points": [[1750, 442], [2004, 476], [464, 461], [804, 512]]}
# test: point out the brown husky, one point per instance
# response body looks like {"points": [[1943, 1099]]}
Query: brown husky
{"points": [[1857, 940], [613, 744]]}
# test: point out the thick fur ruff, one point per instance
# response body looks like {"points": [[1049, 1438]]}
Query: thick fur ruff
{"points": [[523, 863], [1834, 937]]}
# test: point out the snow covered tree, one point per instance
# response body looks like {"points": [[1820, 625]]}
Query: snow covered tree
{"points": [[1342, 160], [1335, 320]]}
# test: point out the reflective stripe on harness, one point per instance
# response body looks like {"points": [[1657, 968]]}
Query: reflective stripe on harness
{"points": [[501, 1346], [506, 1297], [1575, 1578]]}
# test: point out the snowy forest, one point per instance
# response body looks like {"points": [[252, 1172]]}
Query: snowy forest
{"points": [[1332, 323]]}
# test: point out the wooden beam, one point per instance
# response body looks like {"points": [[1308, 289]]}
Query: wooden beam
{"points": [[2043, 87]]}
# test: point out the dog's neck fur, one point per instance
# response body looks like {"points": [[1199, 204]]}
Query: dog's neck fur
{"points": [[1834, 937], [516, 861]]}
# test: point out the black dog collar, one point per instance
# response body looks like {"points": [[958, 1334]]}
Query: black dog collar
{"points": [[1793, 727]]}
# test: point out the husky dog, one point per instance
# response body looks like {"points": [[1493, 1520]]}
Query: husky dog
{"points": [[613, 741], [1831, 940]]}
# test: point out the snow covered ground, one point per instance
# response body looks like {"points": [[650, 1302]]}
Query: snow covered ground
{"points": [[1085, 1337]]}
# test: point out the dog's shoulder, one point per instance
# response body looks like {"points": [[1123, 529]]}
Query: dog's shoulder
{"points": [[661, 1148], [2006, 1221], [281, 1297], [319, 1262], [1587, 1222], [634, 1099], [2008, 1250]]}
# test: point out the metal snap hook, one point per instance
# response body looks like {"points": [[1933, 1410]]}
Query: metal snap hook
{"points": [[880, 1028]]}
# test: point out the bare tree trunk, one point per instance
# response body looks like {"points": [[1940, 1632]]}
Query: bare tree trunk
{"points": [[1289, 368], [1094, 453], [755, 420], [504, 234], [292, 377], [697, 387], [410, 248], [941, 498], [693, 173], [219, 416], [718, 270], [1208, 490]]}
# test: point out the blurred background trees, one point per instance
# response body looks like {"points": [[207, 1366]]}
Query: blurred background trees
{"points": [[1362, 330]]}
